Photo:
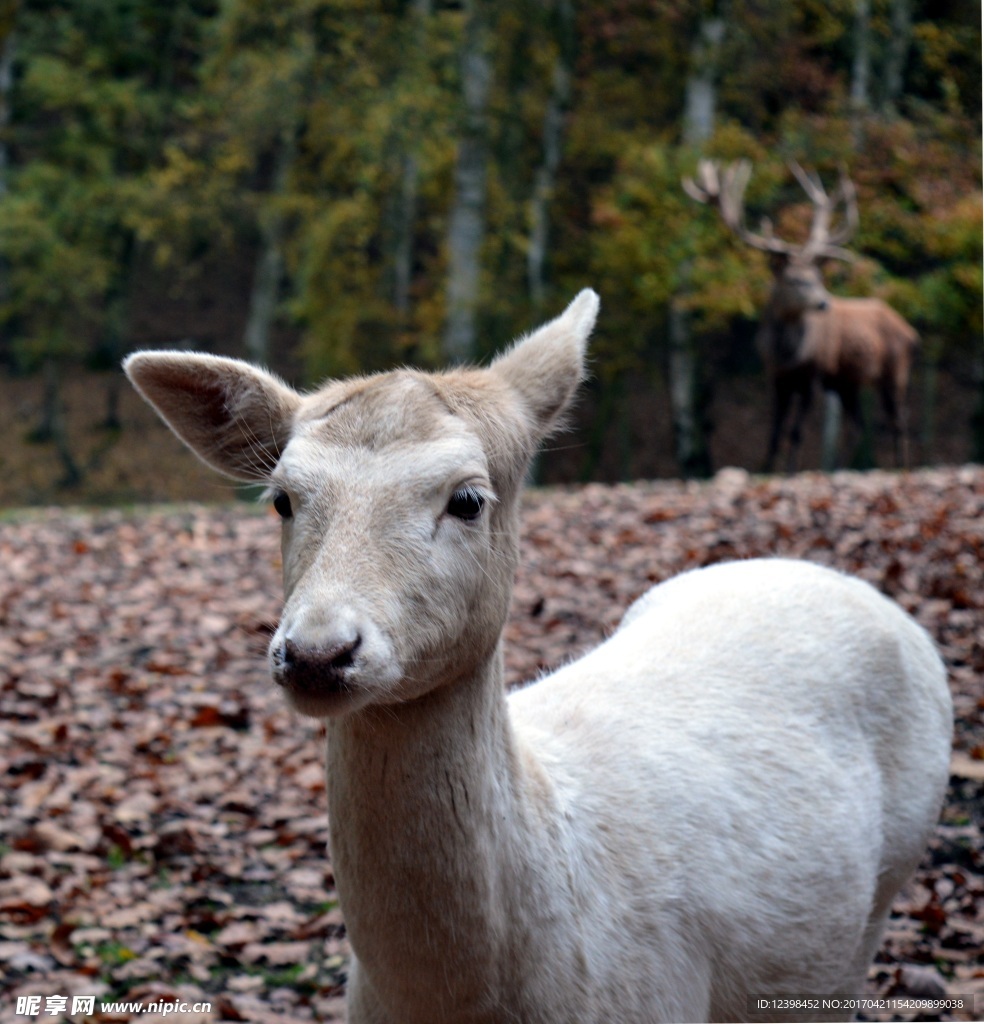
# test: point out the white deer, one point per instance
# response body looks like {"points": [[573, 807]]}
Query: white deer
{"points": [[717, 804]]}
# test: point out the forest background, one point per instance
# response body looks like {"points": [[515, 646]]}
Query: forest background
{"points": [[331, 186]]}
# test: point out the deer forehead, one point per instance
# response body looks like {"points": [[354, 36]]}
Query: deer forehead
{"points": [[374, 412], [394, 432], [801, 271]]}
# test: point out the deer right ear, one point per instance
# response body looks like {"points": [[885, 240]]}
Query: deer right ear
{"points": [[233, 416]]}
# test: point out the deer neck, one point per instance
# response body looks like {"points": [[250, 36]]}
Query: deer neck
{"points": [[421, 801]]}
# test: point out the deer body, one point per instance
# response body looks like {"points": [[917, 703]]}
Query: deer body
{"points": [[845, 344], [718, 802], [862, 343]]}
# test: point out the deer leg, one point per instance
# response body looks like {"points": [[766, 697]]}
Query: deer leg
{"points": [[781, 397], [804, 393]]}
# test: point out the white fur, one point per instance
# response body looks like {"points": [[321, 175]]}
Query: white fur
{"points": [[718, 803]]}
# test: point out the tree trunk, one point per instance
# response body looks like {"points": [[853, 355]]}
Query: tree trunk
{"points": [[112, 420], [553, 130], [6, 86], [692, 453], [977, 420], [406, 216], [263, 298], [466, 232], [113, 346], [830, 439], [689, 435], [861, 70], [860, 107], [52, 427], [900, 20], [609, 396], [864, 453], [265, 293], [833, 422], [406, 201], [701, 97], [931, 352]]}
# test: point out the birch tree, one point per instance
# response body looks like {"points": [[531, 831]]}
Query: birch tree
{"points": [[269, 271], [693, 456], [7, 42], [558, 104], [899, 42], [466, 231], [861, 69], [406, 200]]}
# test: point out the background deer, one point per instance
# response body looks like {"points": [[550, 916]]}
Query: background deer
{"points": [[806, 334], [718, 802]]}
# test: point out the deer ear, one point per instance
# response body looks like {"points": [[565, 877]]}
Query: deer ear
{"points": [[546, 366], [233, 416]]}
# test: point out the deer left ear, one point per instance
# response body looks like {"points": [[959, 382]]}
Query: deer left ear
{"points": [[546, 367], [233, 416]]}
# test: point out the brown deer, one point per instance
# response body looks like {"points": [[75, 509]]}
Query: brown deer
{"points": [[805, 333]]}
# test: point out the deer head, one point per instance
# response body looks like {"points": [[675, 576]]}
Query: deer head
{"points": [[799, 286], [398, 495]]}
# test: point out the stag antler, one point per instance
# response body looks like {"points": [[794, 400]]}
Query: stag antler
{"points": [[724, 187], [823, 241]]}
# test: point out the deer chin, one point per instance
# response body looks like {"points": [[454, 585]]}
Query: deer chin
{"points": [[321, 703], [319, 694]]}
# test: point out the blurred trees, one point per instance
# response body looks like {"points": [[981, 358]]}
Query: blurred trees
{"points": [[90, 105], [421, 179]]}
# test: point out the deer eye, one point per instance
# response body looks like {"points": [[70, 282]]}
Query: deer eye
{"points": [[281, 503], [466, 503]]}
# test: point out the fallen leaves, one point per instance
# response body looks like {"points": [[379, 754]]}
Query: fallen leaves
{"points": [[162, 816]]}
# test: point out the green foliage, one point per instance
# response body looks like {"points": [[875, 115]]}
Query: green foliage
{"points": [[90, 103], [654, 244]]}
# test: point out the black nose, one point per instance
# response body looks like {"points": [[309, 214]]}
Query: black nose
{"points": [[822, 304], [315, 667]]}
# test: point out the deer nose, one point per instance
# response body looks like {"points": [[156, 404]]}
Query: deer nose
{"points": [[823, 304], [336, 656], [297, 665]]}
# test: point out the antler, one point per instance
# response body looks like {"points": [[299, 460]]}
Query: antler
{"points": [[823, 241], [724, 187]]}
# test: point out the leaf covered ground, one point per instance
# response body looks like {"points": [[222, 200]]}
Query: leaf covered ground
{"points": [[163, 818]]}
